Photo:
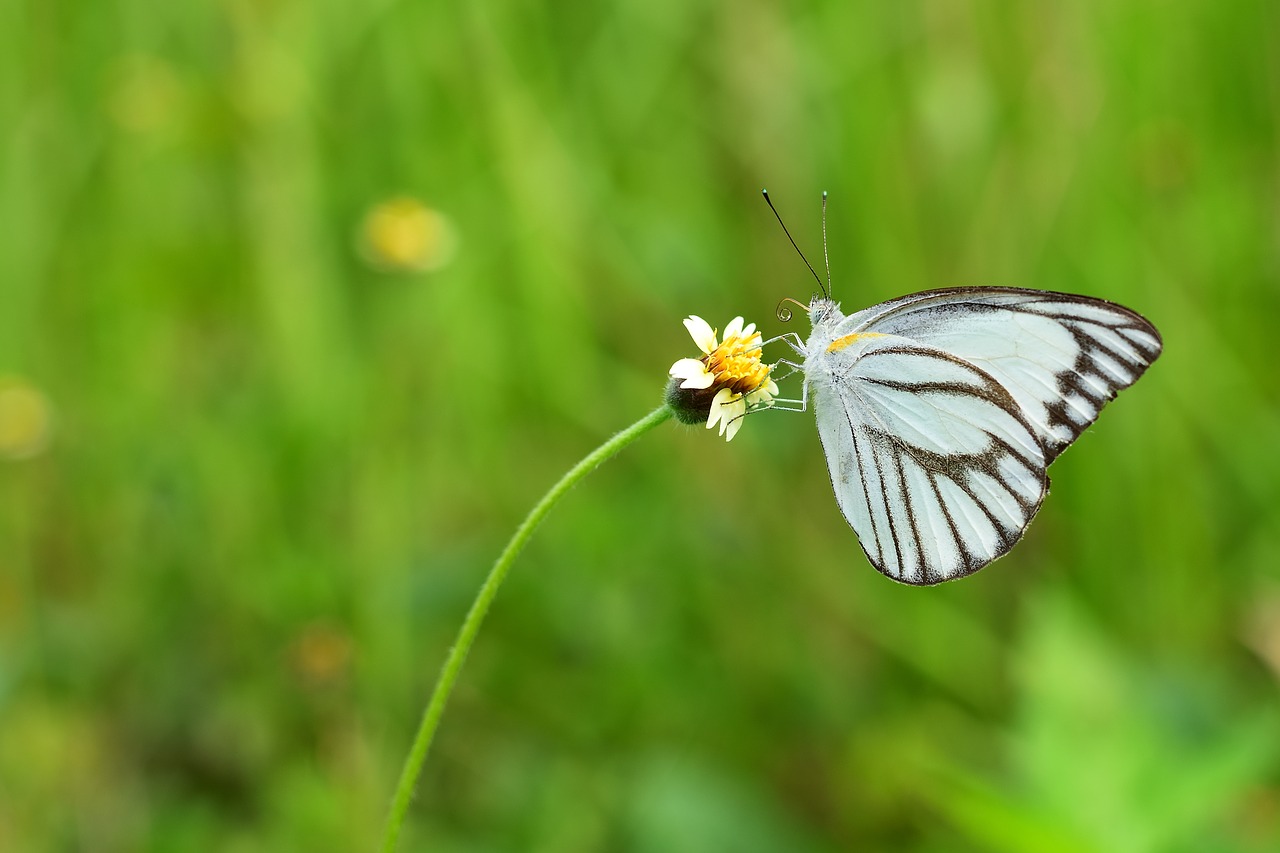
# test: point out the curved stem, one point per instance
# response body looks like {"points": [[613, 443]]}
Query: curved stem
{"points": [[475, 616]]}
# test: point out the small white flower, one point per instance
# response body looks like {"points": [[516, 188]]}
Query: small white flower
{"points": [[727, 382]]}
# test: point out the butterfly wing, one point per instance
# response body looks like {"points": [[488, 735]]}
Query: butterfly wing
{"points": [[1062, 357], [933, 463]]}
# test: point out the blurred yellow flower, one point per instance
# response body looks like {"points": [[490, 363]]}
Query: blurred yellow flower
{"points": [[728, 381], [26, 419], [321, 654], [404, 235], [147, 94]]}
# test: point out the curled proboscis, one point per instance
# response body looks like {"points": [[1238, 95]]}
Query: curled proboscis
{"points": [[784, 313]]}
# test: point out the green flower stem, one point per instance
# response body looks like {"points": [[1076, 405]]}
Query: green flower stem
{"points": [[475, 616]]}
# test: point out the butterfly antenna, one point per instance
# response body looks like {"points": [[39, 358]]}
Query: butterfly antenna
{"points": [[825, 257], [816, 277]]}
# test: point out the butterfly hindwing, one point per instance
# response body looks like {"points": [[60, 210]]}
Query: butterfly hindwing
{"points": [[933, 463]]}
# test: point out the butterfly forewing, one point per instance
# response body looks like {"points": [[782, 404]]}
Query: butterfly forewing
{"points": [[933, 462], [1061, 357]]}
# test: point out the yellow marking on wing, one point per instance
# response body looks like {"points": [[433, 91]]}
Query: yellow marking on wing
{"points": [[840, 343]]}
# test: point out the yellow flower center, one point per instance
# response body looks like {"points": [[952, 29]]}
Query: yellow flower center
{"points": [[737, 366]]}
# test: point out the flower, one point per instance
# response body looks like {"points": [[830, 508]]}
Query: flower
{"points": [[148, 96], [403, 235], [26, 419], [728, 381]]}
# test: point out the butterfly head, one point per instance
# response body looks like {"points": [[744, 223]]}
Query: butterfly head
{"points": [[822, 309]]}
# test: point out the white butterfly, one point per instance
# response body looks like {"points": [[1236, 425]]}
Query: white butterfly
{"points": [[940, 411]]}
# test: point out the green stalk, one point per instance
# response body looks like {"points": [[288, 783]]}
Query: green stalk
{"points": [[475, 616]]}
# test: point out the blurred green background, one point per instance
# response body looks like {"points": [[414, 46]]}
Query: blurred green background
{"points": [[302, 306]]}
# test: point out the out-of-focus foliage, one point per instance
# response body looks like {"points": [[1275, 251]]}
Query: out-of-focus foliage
{"points": [[303, 304]]}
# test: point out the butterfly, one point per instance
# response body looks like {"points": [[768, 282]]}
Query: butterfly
{"points": [[939, 412]]}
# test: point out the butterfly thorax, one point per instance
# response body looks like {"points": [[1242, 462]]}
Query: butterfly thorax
{"points": [[825, 315]]}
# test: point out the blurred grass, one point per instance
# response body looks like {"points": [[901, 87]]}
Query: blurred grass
{"points": [[277, 473]]}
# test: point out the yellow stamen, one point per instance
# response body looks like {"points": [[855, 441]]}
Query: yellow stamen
{"points": [[737, 366]]}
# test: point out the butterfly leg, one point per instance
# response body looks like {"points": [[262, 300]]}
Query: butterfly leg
{"points": [[787, 405], [801, 405], [791, 339], [792, 369], [790, 405]]}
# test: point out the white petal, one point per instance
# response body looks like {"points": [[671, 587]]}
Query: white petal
{"points": [[693, 372], [734, 329], [747, 333], [686, 367], [702, 333], [729, 412], [718, 408], [733, 420]]}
